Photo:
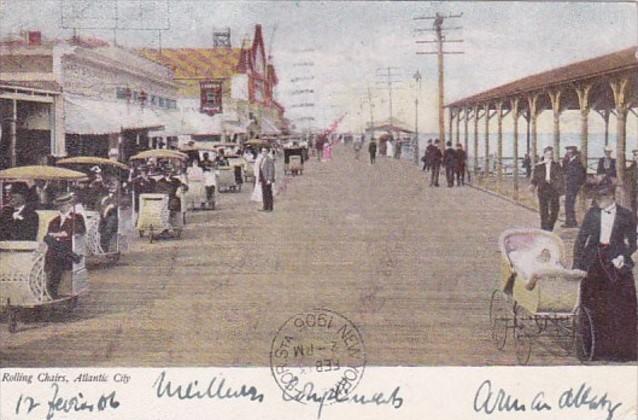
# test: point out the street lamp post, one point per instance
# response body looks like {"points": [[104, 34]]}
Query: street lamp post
{"points": [[417, 78]]}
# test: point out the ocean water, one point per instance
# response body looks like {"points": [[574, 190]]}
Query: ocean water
{"points": [[596, 143]]}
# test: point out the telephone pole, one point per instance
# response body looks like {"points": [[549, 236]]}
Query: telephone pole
{"points": [[417, 79], [439, 31], [389, 74]]}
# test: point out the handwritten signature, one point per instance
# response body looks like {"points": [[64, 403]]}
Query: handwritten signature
{"points": [[338, 395], [215, 389], [77, 403], [489, 400]]}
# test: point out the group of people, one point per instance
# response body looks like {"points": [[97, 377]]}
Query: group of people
{"points": [[550, 180], [169, 183], [452, 159]]}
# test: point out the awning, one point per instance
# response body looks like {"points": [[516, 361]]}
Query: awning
{"points": [[268, 127], [173, 123], [199, 124], [89, 116]]}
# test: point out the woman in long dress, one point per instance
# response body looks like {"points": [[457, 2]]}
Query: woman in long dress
{"points": [[605, 243], [257, 195]]}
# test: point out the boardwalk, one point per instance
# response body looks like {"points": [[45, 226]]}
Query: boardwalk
{"points": [[411, 266]]}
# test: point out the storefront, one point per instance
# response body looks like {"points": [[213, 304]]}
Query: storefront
{"points": [[29, 130]]}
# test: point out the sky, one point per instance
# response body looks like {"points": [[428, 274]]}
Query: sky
{"points": [[350, 43]]}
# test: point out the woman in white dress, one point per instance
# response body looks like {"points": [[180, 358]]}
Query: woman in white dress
{"points": [[257, 194]]}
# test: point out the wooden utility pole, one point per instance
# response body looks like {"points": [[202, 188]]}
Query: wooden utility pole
{"points": [[388, 73], [438, 29]]}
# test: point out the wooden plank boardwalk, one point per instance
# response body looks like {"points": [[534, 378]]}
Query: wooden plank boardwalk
{"points": [[411, 266]]}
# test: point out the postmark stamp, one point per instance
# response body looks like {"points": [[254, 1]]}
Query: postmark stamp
{"points": [[317, 354]]}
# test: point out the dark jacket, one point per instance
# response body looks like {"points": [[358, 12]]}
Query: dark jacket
{"points": [[24, 228], [170, 187], [622, 240], [449, 157], [461, 157], [435, 156], [143, 186], [267, 170], [557, 182], [372, 148], [575, 174], [610, 172], [60, 248]]}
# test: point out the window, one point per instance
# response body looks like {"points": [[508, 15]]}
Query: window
{"points": [[153, 100], [162, 102]]}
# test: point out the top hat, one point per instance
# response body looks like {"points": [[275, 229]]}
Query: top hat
{"points": [[64, 198]]}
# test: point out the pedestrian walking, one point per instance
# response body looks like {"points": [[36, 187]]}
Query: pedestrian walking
{"points": [[357, 144], [372, 149], [449, 161], [435, 163], [427, 156], [607, 166], [548, 182], [267, 179], [319, 144], [461, 158], [257, 195], [603, 248], [575, 176]]}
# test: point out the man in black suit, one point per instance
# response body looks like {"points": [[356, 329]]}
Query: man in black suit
{"points": [[575, 176], [142, 184], [449, 161], [461, 158], [607, 165], [548, 181], [19, 220], [435, 163], [603, 248], [427, 156]]}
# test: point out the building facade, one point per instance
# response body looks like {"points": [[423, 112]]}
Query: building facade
{"points": [[103, 100], [238, 83]]}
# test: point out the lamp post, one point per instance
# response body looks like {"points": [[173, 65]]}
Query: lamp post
{"points": [[417, 78]]}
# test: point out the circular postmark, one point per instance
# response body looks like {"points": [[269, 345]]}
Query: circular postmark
{"points": [[317, 353]]}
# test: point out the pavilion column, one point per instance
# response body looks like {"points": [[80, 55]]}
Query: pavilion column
{"points": [[467, 116], [527, 143], [605, 114], [554, 97], [451, 122], [476, 139], [622, 94], [486, 111], [532, 101], [458, 127], [583, 93], [499, 144], [514, 102]]}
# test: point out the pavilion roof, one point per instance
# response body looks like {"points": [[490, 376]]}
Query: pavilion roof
{"points": [[621, 61]]}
